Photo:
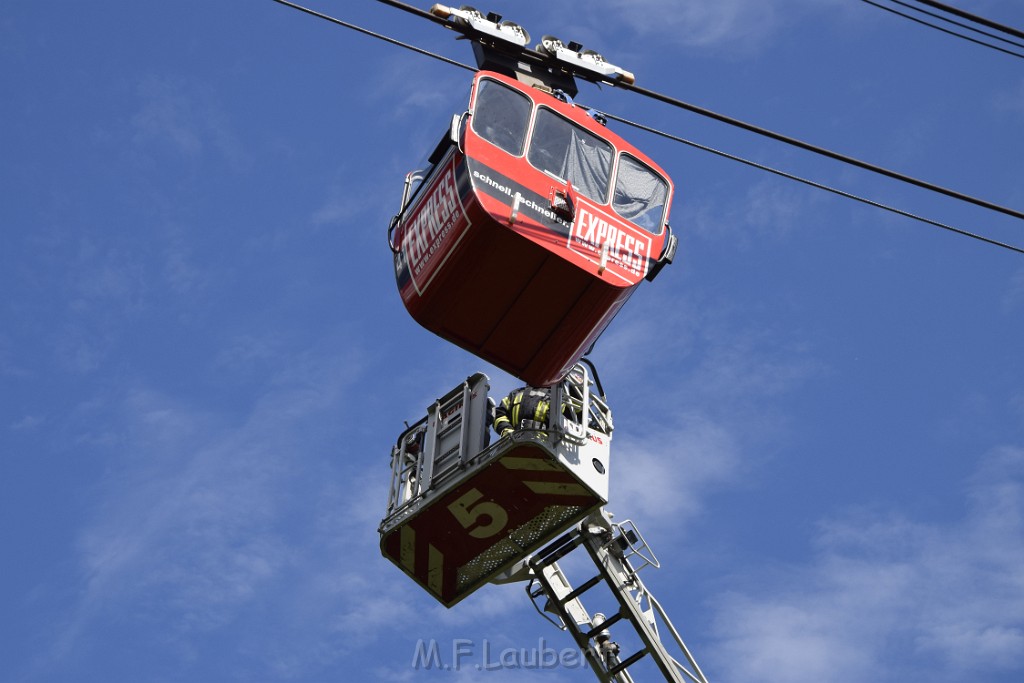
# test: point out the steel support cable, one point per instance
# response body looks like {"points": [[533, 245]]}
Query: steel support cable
{"points": [[936, 15], [821, 150], [972, 17], [812, 183], [944, 30], [373, 34], [543, 59]]}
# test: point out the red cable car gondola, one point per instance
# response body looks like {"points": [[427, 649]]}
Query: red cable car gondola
{"points": [[529, 231]]}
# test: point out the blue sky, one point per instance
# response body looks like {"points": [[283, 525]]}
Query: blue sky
{"points": [[204, 361]]}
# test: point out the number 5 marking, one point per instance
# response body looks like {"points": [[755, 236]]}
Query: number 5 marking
{"points": [[469, 512]]}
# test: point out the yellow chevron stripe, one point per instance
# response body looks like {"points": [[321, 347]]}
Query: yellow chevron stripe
{"points": [[553, 488], [407, 548], [435, 569]]}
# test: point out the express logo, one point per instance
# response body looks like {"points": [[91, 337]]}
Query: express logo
{"points": [[611, 243], [431, 230]]}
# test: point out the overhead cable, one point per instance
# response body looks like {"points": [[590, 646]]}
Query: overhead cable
{"points": [[961, 24], [944, 30], [373, 34], [822, 151], [1009, 30], [730, 121], [543, 59], [812, 183]]}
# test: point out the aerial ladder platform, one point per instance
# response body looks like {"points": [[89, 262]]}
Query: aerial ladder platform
{"points": [[619, 553], [464, 511]]}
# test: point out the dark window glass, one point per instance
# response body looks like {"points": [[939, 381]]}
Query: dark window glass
{"points": [[501, 116], [640, 195], [570, 153]]}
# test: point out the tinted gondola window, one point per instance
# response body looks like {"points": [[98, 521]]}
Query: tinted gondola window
{"points": [[501, 116], [640, 195], [569, 152]]}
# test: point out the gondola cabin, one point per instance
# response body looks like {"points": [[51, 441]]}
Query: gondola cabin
{"points": [[530, 229]]}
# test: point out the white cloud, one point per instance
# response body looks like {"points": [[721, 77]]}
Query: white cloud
{"points": [[665, 477], [186, 119], [8, 366], [248, 352], [167, 115], [180, 270], [772, 207], [338, 208], [27, 423], [708, 420], [202, 517], [885, 590], [107, 280], [745, 367], [186, 524], [773, 641], [424, 92], [740, 25], [1013, 297], [106, 289], [1012, 100], [700, 23]]}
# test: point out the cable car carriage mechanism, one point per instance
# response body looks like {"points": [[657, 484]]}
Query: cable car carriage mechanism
{"points": [[533, 223]]}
